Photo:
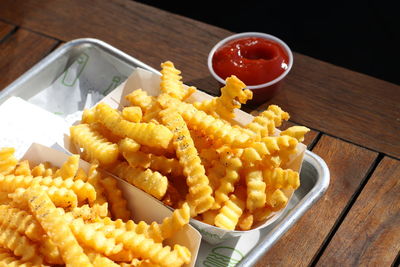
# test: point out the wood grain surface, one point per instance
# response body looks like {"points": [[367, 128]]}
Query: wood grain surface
{"points": [[348, 165], [5, 29], [19, 52], [343, 103], [370, 233]]}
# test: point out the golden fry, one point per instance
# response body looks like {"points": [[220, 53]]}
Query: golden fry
{"points": [[118, 204], [200, 197], [151, 182], [232, 95], [53, 222], [7, 160], [144, 133], [94, 144]]}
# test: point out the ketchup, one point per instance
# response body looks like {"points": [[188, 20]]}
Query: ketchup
{"points": [[253, 60]]}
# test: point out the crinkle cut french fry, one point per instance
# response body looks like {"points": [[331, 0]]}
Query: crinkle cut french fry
{"points": [[209, 216], [140, 98], [22, 222], [179, 218], [256, 196], [95, 145], [157, 163], [90, 214], [128, 145], [61, 197], [201, 140], [69, 168], [276, 199], [50, 251], [227, 182], [124, 255], [23, 168], [132, 114], [88, 116], [280, 178], [25, 224], [117, 202], [245, 221], [265, 123], [148, 249], [83, 190], [8, 259], [94, 177], [55, 225], [43, 170], [81, 175], [230, 213], [7, 160], [213, 127], [99, 260], [171, 82], [96, 240], [19, 244], [150, 134], [232, 95], [200, 197], [4, 199], [297, 132], [151, 182], [103, 131], [152, 231]]}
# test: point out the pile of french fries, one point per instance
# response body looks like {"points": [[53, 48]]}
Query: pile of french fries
{"points": [[191, 156], [56, 216], [232, 176]]}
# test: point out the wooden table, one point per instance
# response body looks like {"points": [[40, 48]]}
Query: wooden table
{"points": [[355, 118]]}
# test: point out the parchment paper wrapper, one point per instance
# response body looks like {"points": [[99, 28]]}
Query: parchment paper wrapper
{"points": [[142, 205], [85, 82], [150, 82], [22, 123]]}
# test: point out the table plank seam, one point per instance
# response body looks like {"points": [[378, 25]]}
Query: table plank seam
{"points": [[315, 141], [353, 143], [17, 27], [40, 33], [9, 34], [346, 209]]}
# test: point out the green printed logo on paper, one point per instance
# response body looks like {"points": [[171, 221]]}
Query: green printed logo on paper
{"points": [[204, 232], [69, 79], [223, 257], [116, 80]]}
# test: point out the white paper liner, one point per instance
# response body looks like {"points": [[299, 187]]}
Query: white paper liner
{"points": [[85, 82]]}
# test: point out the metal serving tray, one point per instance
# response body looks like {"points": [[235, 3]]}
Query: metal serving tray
{"points": [[314, 173]]}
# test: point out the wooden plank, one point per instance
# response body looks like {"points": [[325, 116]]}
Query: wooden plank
{"points": [[348, 165], [20, 52], [342, 103], [370, 233], [146, 33], [5, 29]]}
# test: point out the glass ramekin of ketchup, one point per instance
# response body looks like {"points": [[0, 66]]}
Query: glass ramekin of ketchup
{"points": [[259, 60]]}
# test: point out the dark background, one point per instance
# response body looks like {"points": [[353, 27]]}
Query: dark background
{"points": [[363, 37]]}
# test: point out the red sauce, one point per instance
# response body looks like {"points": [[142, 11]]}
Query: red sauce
{"points": [[253, 60]]}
